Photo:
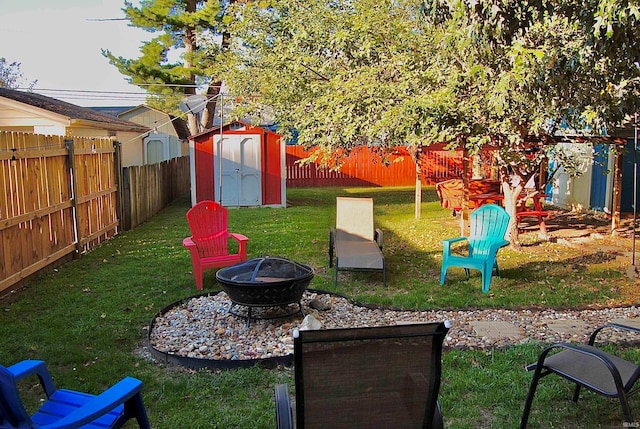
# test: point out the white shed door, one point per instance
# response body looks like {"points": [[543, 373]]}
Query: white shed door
{"points": [[240, 167]]}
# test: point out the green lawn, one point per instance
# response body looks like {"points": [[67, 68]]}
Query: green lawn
{"points": [[89, 318]]}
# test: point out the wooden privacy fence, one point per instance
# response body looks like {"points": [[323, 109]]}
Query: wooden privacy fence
{"points": [[364, 167], [62, 196], [149, 188], [58, 198]]}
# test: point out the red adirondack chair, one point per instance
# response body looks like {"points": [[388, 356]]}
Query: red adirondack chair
{"points": [[209, 241]]}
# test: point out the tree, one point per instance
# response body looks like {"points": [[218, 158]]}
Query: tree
{"points": [[342, 73], [192, 27], [469, 73], [11, 75], [542, 69]]}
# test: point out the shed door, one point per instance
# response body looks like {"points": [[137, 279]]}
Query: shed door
{"points": [[599, 177], [240, 168], [629, 175]]}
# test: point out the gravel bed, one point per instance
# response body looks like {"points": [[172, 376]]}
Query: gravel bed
{"points": [[202, 327]]}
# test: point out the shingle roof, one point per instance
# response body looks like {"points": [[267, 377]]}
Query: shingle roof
{"points": [[67, 109]]}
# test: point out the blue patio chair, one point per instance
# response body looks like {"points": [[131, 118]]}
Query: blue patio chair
{"points": [[66, 408], [488, 227]]}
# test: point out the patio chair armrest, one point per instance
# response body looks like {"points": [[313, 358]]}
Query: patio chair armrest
{"points": [[379, 237], [592, 338], [242, 243], [189, 243], [284, 411], [27, 368], [497, 245], [101, 404], [449, 241], [600, 355], [239, 237], [454, 240]]}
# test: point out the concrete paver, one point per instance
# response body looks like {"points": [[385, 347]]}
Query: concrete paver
{"points": [[571, 327], [497, 329]]}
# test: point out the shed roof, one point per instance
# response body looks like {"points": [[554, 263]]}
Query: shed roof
{"points": [[246, 126]]}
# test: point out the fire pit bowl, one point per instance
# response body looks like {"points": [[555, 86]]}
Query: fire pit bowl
{"points": [[265, 282]]}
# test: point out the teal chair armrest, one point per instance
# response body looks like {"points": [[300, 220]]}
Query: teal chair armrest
{"points": [[449, 241], [497, 245], [454, 240]]}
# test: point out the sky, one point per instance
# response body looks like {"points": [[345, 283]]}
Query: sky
{"points": [[58, 43]]}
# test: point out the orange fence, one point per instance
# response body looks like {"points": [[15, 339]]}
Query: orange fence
{"points": [[365, 167]]}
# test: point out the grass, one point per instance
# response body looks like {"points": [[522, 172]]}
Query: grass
{"points": [[89, 318]]}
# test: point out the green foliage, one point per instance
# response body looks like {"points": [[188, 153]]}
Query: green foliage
{"points": [[388, 73], [182, 57]]}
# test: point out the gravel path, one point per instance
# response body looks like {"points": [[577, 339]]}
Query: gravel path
{"points": [[202, 327]]}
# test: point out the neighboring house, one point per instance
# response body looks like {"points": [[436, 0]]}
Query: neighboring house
{"points": [[593, 189], [34, 113], [169, 137]]}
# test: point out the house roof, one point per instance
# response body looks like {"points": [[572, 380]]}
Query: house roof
{"points": [[179, 124], [111, 110], [75, 114]]}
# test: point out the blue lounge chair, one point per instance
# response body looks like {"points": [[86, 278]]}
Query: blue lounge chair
{"points": [[488, 227], [66, 408]]}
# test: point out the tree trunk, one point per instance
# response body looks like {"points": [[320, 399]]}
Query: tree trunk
{"points": [[417, 157], [511, 194], [212, 101], [190, 47]]}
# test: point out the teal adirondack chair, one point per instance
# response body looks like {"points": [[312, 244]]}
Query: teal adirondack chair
{"points": [[488, 227]]}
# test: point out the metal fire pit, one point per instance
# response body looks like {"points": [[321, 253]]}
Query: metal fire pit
{"points": [[265, 282]]}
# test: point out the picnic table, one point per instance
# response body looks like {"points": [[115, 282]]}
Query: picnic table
{"points": [[523, 209]]}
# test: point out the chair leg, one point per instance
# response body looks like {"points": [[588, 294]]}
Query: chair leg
{"points": [[384, 275], [198, 275], [576, 393], [134, 408], [443, 274], [486, 280], [626, 410], [284, 412], [530, 395], [438, 421]]}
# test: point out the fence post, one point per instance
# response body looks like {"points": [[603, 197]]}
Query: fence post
{"points": [[71, 168], [117, 174]]}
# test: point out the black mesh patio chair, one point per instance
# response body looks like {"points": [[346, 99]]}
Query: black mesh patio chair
{"points": [[589, 367], [374, 377]]}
